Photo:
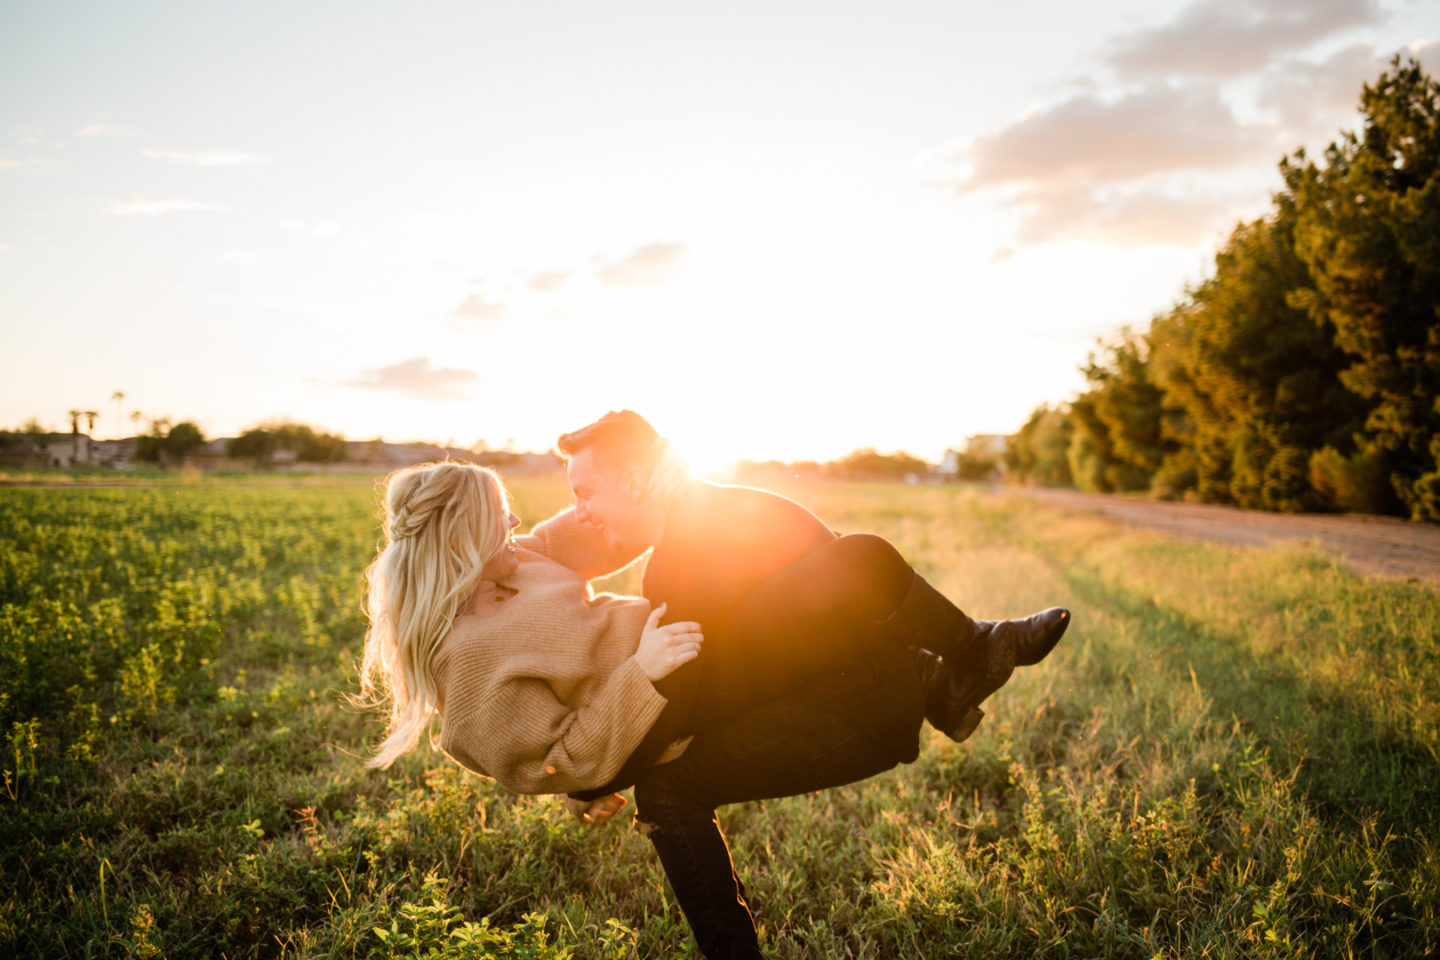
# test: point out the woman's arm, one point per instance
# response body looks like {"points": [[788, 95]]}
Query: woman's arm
{"points": [[532, 742], [576, 545]]}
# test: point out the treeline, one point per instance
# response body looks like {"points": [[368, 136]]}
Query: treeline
{"points": [[300, 442], [863, 464], [1305, 373]]}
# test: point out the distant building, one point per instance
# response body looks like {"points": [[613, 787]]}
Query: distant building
{"points": [[982, 457], [117, 454], [47, 449]]}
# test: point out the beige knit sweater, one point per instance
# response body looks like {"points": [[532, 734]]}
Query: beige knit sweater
{"points": [[542, 691]]}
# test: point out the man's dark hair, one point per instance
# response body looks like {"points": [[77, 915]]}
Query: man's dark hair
{"points": [[621, 438]]}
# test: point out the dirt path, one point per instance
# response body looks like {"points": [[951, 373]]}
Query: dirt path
{"points": [[1384, 546]]}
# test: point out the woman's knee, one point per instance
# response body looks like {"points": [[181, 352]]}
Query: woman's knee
{"points": [[868, 549], [877, 562]]}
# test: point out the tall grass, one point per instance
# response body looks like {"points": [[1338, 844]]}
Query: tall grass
{"points": [[1232, 754]]}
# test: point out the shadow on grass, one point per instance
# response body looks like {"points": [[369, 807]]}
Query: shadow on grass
{"points": [[1352, 763]]}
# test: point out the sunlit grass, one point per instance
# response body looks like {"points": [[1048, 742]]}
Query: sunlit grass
{"points": [[1232, 754]]}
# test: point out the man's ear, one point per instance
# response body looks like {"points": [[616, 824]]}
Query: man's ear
{"points": [[634, 485]]}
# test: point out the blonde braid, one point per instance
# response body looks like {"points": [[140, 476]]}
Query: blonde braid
{"points": [[443, 521]]}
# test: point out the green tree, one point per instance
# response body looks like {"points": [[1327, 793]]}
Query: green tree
{"points": [[868, 464], [1126, 405], [1368, 228], [1038, 451], [262, 443], [1256, 376], [118, 396], [182, 440], [75, 416], [150, 447]]}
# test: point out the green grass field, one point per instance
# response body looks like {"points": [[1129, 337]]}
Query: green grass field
{"points": [[1232, 754]]}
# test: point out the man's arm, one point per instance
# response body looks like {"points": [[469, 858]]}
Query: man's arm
{"points": [[576, 545]]}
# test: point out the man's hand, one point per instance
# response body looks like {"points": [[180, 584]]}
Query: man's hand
{"points": [[595, 811]]}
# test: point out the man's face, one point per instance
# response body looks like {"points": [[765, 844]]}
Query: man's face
{"points": [[608, 498]]}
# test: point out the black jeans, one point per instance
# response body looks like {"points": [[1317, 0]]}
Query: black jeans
{"points": [[822, 614], [804, 689], [839, 729]]}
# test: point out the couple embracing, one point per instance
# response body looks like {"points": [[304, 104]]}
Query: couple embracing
{"points": [[770, 656]]}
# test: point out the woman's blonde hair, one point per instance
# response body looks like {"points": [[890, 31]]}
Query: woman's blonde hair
{"points": [[443, 521]]}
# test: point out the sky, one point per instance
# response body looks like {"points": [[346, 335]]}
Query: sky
{"points": [[777, 230]]}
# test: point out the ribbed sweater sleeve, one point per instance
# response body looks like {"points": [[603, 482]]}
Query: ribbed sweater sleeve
{"points": [[542, 690], [578, 546], [531, 742]]}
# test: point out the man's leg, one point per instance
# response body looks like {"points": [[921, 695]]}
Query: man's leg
{"points": [[786, 747]]}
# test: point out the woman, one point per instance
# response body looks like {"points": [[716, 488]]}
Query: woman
{"points": [[548, 688]]}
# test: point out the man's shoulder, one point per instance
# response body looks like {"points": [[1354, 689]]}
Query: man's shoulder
{"points": [[725, 510], [707, 497]]}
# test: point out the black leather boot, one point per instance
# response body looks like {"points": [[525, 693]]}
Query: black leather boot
{"points": [[953, 696], [926, 618], [955, 687], [947, 708]]}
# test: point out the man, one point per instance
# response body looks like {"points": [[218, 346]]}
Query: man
{"points": [[716, 548]]}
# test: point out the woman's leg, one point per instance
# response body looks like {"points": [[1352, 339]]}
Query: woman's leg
{"points": [[821, 612], [818, 615], [812, 617]]}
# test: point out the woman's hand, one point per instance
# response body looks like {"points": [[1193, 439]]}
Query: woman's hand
{"points": [[662, 649], [595, 811]]}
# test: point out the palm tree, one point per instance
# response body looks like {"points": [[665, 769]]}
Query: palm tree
{"points": [[90, 416], [75, 416], [135, 417], [118, 396]]}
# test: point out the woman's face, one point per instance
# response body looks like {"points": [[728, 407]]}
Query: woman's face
{"points": [[504, 563]]}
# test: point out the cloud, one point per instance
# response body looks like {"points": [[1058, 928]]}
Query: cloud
{"points": [[648, 265], [110, 130], [152, 206], [314, 229], [476, 307], [206, 158], [1136, 215], [1313, 100], [418, 378], [548, 281], [1220, 39], [9, 164], [1089, 140], [1123, 170]]}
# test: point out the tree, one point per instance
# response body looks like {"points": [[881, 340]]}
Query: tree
{"points": [[867, 464], [1127, 407], [75, 416], [182, 440], [263, 442], [1255, 378], [1368, 228], [118, 396], [1038, 452]]}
